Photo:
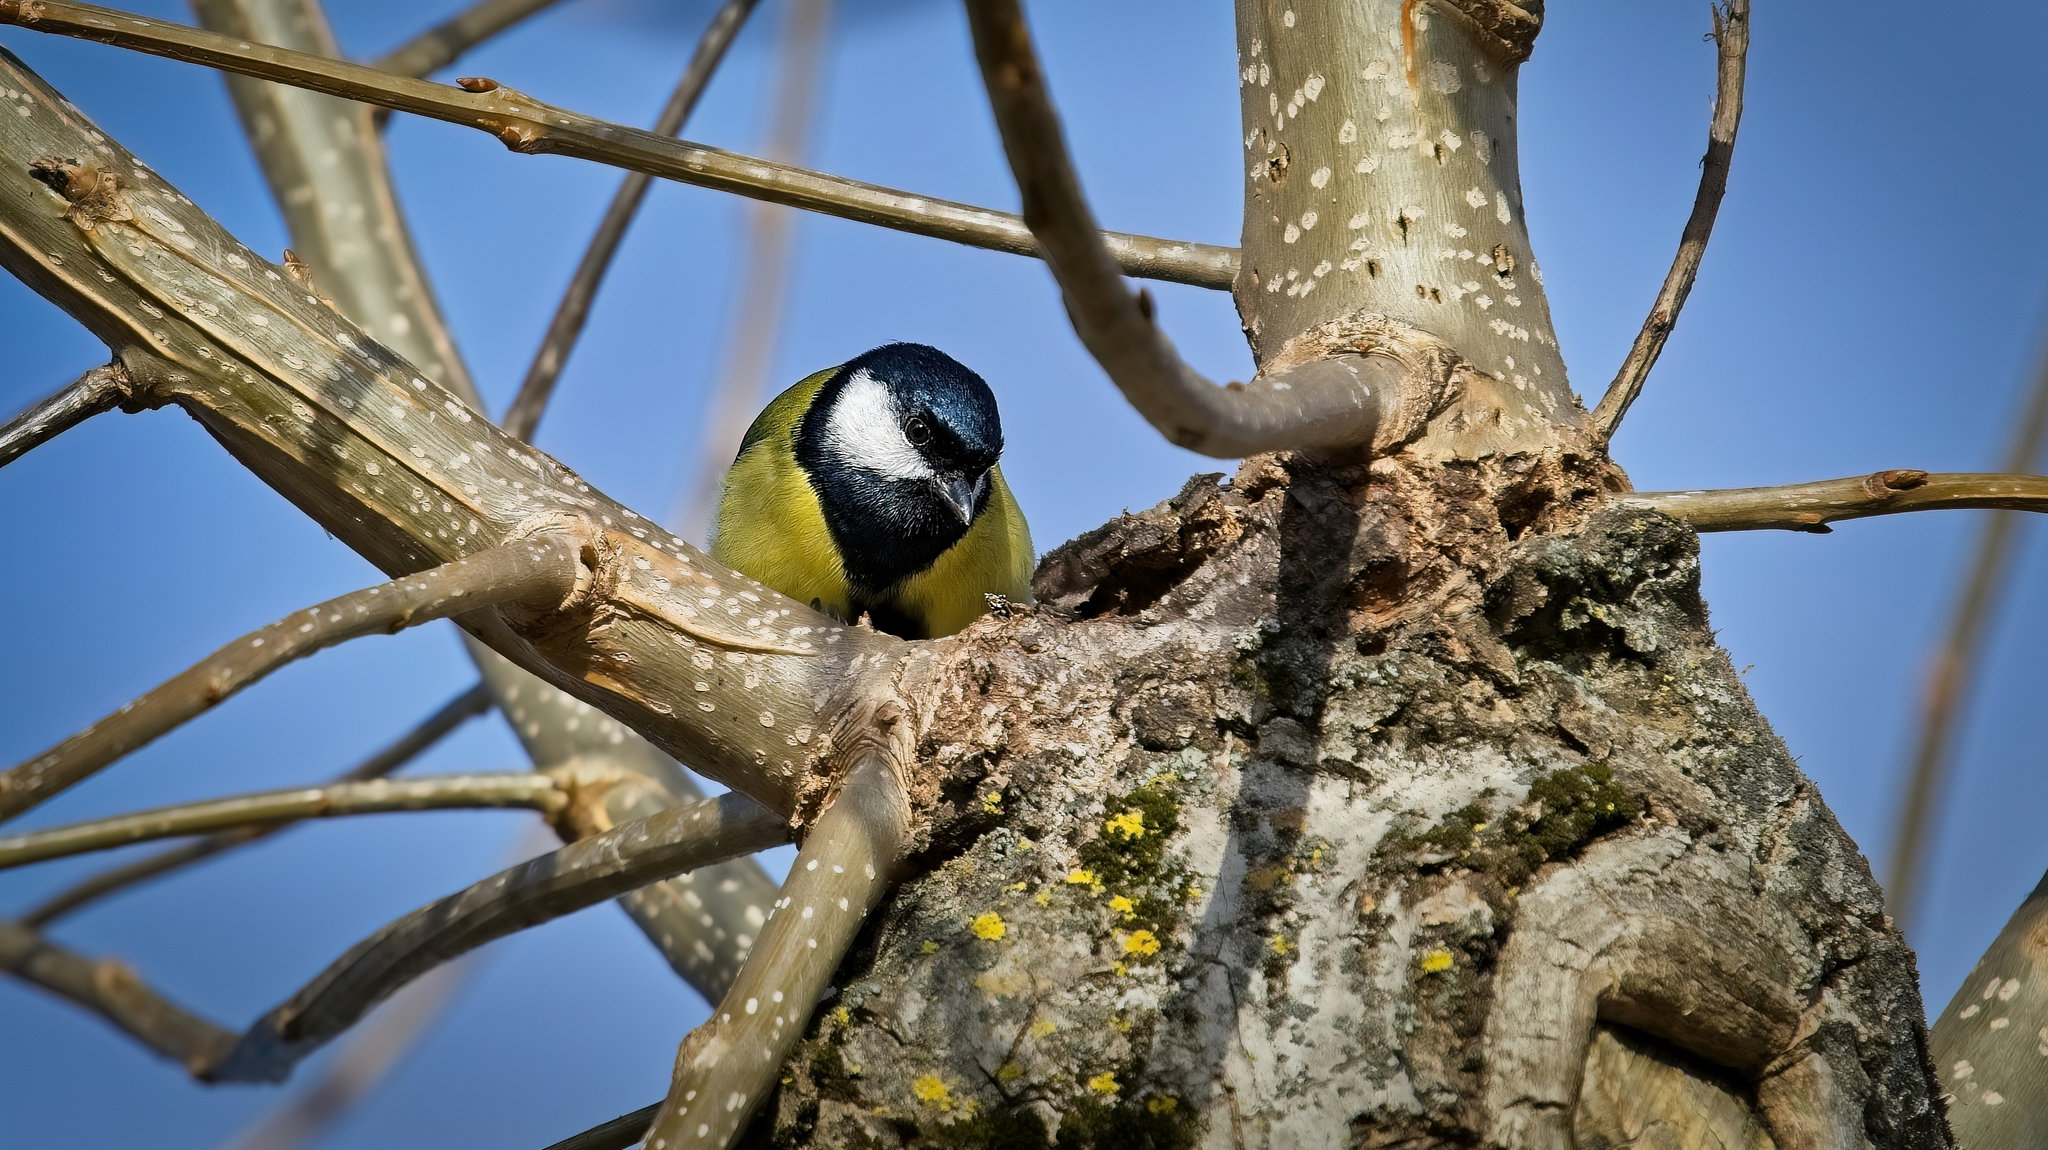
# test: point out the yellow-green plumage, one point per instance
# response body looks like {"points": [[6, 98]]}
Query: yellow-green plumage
{"points": [[772, 527]]}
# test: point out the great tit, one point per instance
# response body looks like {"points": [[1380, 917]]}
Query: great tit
{"points": [[872, 489]]}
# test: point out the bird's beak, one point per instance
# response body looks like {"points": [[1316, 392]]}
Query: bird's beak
{"points": [[962, 493]]}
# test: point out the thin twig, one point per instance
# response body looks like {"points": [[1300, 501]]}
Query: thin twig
{"points": [[446, 42], [97, 391], [110, 989], [765, 257], [1951, 667], [618, 1134], [1731, 39], [529, 126], [542, 570], [401, 751], [574, 310], [729, 1065], [1327, 403], [269, 809], [583, 873], [1812, 506]]}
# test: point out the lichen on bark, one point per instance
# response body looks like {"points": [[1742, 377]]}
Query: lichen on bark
{"points": [[1256, 833]]}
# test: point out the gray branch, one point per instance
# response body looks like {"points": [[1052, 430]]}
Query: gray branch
{"points": [[1812, 506], [1329, 403], [447, 42], [581, 874], [620, 1133], [529, 126], [272, 809], [403, 750], [570, 315], [100, 390], [1731, 39], [1987, 1043], [541, 571], [111, 990]]}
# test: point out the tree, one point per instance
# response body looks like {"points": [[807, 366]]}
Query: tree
{"points": [[1415, 764]]}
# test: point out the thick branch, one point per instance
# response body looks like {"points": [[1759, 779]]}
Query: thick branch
{"points": [[542, 572], [570, 315], [407, 747], [1811, 506], [1731, 38], [271, 809], [100, 390], [1334, 403], [526, 125], [446, 42], [111, 990], [1987, 1042], [581, 874], [730, 1064]]}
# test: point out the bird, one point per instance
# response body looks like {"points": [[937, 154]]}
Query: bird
{"points": [[871, 489]]}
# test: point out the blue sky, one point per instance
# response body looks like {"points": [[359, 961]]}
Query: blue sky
{"points": [[1871, 300]]}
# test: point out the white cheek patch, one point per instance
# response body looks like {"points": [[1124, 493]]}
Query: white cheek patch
{"points": [[865, 431]]}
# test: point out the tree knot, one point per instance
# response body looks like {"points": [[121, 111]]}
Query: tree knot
{"points": [[94, 194]]}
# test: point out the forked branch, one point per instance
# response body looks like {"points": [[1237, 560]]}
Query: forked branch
{"points": [[574, 310], [529, 126], [401, 751], [271, 809], [580, 874], [97, 391], [446, 42], [1327, 403], [111, 990], [543, 571], [1731, 39], [1812, 506]]}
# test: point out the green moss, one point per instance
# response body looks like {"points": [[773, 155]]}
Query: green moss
{"points": [[1571, 808], [1159, 1123], [1004, 1128], [1132, 845]]}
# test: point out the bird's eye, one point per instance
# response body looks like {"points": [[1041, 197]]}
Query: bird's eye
{"points": [[917, 431]]}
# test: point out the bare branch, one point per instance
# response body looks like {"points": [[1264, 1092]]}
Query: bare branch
{"points": [[1950, 669], [581, 874], [756, 310], [111, 990], [1811, 506], [574, 310], [620, 1133], [100, 390], [1731, 39], [271, 809], [446, 42], [728, 1065], [529, 126], [1328, 403], [407, 747], [543, 571], [1986, 1042]]}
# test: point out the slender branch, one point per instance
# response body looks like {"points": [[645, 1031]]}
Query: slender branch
{"points": [[97, 391], [407, 747], [446, 42], [581, 874], [542, 571], [1811, 506], [730, 1064], [529, 126], [1327, 403], [574, 310], [756, 311], [1951, 667], [1731, 39], [621, 1133], [271, 809], [110, 989]]}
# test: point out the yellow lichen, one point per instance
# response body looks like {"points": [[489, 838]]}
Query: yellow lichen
{"points": [[989, 926], [1162, 1104], [929, 947], [1042, 898], [1130, 824], [1119, 969], [1104, 1083], [933, 1091], [1009, 1072], [841, 1015], [1123, 906], [1043, 1027], [1436, 962], [1279, 945], [1141, 942], [1081, 878], [1020, 886]]}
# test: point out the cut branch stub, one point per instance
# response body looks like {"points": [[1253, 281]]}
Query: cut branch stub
{"points": [[580, 874], [714, 668]]}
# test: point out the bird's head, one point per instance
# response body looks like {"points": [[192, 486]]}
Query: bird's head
{"points": [[910, 433]]}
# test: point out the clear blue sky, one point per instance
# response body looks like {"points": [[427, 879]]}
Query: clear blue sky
{"points": [[1870, 301]]}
